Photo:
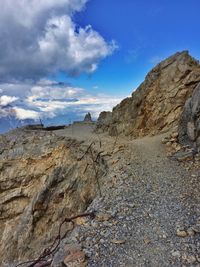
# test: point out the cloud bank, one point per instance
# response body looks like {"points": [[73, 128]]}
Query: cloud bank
{"points": [[50, 99], [39, 38]]}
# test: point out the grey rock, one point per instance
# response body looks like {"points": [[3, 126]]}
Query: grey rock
{"points": [[189, 127], [88, 117]]}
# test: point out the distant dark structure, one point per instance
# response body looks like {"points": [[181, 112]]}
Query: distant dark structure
{"points": [[88, 117]]}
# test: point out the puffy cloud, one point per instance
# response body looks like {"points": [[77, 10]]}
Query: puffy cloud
{"points": [[24, 114], [38, 38], [6, 100], [53, 90]]}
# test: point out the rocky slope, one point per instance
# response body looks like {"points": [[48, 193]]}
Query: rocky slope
{"points": [[157, 104], [147, 204], [43, 179]]}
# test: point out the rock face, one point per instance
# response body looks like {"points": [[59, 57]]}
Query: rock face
{"points": [[189, 128], [88, 117], [157, 104], [43, 179], [104, 121]]}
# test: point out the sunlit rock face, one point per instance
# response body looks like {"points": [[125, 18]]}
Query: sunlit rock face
{"points": [[157, 104], [43, 179]]}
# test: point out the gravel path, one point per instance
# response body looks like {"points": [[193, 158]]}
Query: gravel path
{"points": [[149, 201]]}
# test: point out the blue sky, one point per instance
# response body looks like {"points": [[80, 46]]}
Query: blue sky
{"points": [[146, 32], [50, 42]]}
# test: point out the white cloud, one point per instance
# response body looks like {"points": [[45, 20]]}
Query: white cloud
{"points": [[82, 104], [5, 100], [39, 38], [53, 91], [49, 99], [23, 114]]}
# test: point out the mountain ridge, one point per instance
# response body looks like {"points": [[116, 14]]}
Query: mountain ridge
{"points": [[158, 102]]}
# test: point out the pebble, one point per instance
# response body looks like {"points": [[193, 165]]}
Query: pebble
{"points": [[181, 233], [176, 254], [190, 232], [118, 241], [196, 228], [102, 217], [191, 259]]}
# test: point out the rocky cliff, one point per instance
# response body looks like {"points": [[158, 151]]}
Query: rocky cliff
{"points": [[189, 127], [43, 179], [157, 104]]}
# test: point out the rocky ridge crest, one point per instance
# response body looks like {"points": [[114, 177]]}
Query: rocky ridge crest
{"points": [[157, 104]]}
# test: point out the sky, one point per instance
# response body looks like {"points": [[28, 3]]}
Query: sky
{"points": [[62, 58]]}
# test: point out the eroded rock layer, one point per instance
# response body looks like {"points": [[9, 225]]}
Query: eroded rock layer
{"points": [[157, 104], [43, 179]]}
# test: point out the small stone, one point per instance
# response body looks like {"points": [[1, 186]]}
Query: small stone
{"points": [[147, 240], [181, 233], [191, 259], [102, 241], [196, 228], [190, 232], [81, 221], [176, 254], [102, 217], [118, 241], [75, 258]]}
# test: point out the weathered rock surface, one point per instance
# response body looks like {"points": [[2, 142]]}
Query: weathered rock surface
{"points": [[157, 104], [42, 180], [189, 128]]}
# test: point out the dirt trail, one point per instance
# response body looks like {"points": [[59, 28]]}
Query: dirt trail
{"points": [[148, 197]]}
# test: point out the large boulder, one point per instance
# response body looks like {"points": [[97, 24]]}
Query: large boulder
{"points": [[189, 127], [157, 104]]}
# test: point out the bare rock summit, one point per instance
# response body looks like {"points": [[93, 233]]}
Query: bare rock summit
{"points": [[156, 106]]}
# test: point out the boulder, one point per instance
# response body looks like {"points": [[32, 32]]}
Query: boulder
{"points": [[157, 104], [189, 127]]}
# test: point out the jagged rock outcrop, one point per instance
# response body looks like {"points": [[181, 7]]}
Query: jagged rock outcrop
{"points": [[88, 117], [189, 128], [158, 102], [43, 179]]}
